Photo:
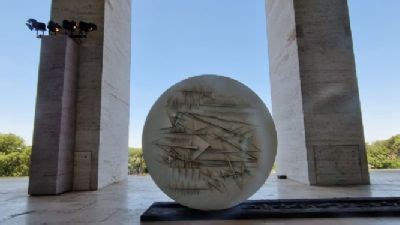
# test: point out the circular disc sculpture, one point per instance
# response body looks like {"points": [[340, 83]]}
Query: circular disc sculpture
{"points": [[209, 142]]}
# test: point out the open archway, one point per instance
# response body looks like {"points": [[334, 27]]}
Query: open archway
{"points": [[315, 97]]}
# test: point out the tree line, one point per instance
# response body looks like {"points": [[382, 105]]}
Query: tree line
{"points": [[15, 156], [384, 154]]}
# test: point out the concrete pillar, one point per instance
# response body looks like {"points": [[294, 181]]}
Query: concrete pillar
{"points": [[54, 133], [315, 99], [102, 105]]}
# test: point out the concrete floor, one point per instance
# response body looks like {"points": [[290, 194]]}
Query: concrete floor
{"points": [[123, 203]]}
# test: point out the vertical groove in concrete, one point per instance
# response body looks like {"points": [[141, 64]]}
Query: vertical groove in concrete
{"points": [[89, 82], [103, 90], [322, 88]]}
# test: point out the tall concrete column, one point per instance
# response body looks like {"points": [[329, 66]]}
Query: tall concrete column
{"points": [[315, 99], [53, 141], [102, 105]]}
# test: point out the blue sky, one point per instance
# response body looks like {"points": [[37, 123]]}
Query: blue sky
{"points": [[175, 39]]}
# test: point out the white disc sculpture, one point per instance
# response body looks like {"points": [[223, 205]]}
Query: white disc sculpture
{"points": [[209, 142]]}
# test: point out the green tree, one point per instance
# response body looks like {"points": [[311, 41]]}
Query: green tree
{"points": [[136, 162], [14, 156], [394, 145], [11, 143], [384, 154], [15, 163]]}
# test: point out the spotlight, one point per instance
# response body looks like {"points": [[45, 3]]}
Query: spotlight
{"points": [[53, 27], [85, 27], [69, 26], [33, 24], [29, 26]]}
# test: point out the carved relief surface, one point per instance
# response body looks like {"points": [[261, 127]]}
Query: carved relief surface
{"points": [[209, 142]]}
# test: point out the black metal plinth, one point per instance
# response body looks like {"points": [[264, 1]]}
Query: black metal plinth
{"points": [[287, 208]]}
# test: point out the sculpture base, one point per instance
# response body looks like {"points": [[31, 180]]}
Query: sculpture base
{"points": [[290, 208]]}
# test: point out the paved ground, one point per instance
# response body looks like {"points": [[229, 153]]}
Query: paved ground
{"points": [[123, 203]]}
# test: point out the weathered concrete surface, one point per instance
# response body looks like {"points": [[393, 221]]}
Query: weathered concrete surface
{"points": [[287, 109], [315, 100], [103, 90], [89, 82], [124, 202], [54, 134], [115, 93]]}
